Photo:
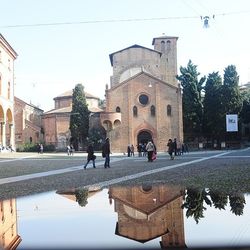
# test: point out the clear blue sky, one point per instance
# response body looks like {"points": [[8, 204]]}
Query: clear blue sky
{"points": [[54, 58]]}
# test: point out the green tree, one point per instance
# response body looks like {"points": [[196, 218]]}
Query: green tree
{"points": [[191, 99], [194, 203], [245, 112], [79, 119], [231, 99], [82, 196], [237, 203], [213, 116], [218, 198]]}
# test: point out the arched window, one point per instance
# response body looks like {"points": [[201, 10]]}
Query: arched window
{"points": [[168, 45], [135, 111], [169, 110], [152, 110], [162, 46], [118, 109]]}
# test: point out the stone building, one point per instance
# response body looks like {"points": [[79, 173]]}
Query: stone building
{"points": [[7, 57], [28, 123], [147, 212], [56, 121], [144, 100], [9, 237]]}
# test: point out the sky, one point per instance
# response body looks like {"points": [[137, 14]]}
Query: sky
{"points": [[61, 43]]}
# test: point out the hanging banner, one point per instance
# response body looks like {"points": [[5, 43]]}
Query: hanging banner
{"points": [[232, 123]]}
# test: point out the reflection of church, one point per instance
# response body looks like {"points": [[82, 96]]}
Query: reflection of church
{"points": [[148, 212], [9, 238], [144, 99]]}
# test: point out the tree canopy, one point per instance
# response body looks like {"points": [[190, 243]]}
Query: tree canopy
{"points": [[79, 119]]}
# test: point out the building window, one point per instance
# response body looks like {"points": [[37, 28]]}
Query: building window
{"points": [[162, 46], [8, 90], [152, 110], [169, 110], [8, 64], [135, 111], [143, 99], [0, 85], [118, 109], [168, 45]]}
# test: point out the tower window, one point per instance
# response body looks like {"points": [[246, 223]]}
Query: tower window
{"points": [[168, 45], [135, 111], [169, 110], [152, 110], [118, 109]]}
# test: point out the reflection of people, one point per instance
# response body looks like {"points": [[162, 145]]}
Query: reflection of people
{"points": [[106, 153], [91, 156]]}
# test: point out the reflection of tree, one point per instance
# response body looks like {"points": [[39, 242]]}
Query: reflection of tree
{"points": [[219, 199], [82, 196], [237, 202], [195, 198], [194, 203]]}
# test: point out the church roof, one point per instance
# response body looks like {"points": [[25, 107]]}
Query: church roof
{"points": [[69, 93], [69, 109], [4, 42], [133, 46]]}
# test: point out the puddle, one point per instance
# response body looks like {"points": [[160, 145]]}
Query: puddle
{"points": [[155, 217]]}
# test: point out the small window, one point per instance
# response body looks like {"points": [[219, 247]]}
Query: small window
{"points": [[118, 109], [169, 110], [168, 45], [135, 111], [162, 46], [143, 99], [8, 90], [152, 110]]}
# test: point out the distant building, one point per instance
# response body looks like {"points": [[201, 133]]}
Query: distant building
{"points": [[7, 57], [56, 122], [28, 123], [144, 101]]}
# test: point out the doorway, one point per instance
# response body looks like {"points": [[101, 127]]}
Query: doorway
{"points": [[143, 137]]}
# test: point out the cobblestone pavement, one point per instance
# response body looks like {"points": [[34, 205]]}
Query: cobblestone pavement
{"points": [[28, 173]]}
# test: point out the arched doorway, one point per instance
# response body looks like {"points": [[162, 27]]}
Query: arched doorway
{"points": [[143, 137]]}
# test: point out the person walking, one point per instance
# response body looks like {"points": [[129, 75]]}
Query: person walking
{"points": [[132, 149], [106, 153], [171, 148], [91, 156], [150, 149]]}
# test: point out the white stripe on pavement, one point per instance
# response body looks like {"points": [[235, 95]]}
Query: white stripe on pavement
{"points": [[141, 174]]}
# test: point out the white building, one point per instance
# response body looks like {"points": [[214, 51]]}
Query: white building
{"points": [[7, 128]]}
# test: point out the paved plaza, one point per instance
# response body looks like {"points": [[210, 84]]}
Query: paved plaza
{"points": [[28, 173]]}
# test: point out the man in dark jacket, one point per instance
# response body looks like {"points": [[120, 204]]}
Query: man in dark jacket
{"points": [[106, 153], [91, 156]]}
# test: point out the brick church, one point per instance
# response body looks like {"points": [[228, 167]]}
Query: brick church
{"points": [[144, 100]]}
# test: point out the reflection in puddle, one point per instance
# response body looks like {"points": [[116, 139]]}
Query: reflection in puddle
{"points": [[145, 216]]}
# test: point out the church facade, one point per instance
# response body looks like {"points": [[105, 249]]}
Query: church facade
{"points": [[144, 100]]}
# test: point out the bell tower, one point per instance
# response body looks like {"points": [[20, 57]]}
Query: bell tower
{"points": [[167, 45]]}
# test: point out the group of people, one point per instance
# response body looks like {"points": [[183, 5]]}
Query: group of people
{"points": [[105, 154], [174, 148]]}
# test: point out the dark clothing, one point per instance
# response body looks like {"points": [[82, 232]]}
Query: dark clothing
{"points": [[171, 148], [106, 153], [91, 156]]}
